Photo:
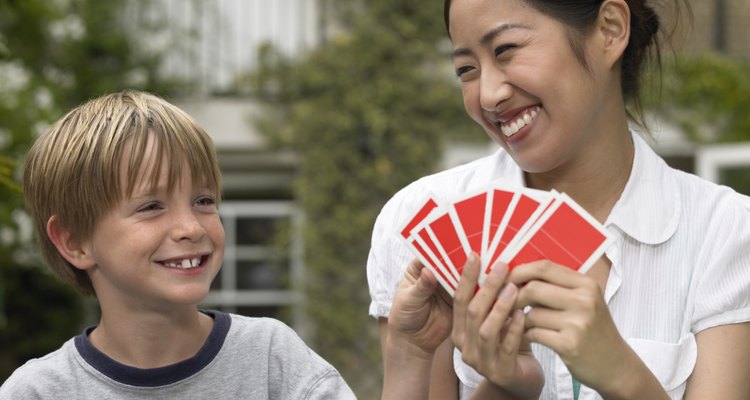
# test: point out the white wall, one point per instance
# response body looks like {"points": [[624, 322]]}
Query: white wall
{"points": [[223, 35]]}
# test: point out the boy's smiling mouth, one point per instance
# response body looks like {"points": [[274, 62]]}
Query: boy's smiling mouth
{"points": [[511, 127], [184, 263]]}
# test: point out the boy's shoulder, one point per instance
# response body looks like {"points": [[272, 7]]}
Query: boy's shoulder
{"points": [[288, 364], [44, 377], [265, 334]]}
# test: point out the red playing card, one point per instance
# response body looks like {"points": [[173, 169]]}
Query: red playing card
{"points": [[445, 236], [425, 250], [468, 215], [437, 255], [500, 204], [423, 212], [566, 234], [528, 206], [428, 259]]}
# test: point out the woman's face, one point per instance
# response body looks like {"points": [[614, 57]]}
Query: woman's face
{"points": [[522, 82]]}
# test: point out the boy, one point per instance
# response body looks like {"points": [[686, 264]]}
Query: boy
{"points": [[123, 192]]}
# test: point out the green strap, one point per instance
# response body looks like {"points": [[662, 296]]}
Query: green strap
{"points": [[576, 388]]}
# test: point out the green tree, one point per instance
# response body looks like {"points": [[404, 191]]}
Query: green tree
{"points": [[708, 97], [367, 112], [53, 56]]}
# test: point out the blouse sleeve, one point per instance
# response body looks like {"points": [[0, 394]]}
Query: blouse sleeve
{"points": [[723, 292], [389, 255]]}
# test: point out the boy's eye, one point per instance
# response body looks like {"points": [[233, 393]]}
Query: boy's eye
{"points": [[206, 201], [153, 206]]}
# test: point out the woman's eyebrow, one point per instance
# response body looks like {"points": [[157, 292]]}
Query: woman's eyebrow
{"points": [[488, 37]]}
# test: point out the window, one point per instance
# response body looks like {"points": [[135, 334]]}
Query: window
{"points": [[262, 264], [727, 164]]}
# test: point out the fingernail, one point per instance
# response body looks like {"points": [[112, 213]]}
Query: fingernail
{"points": [[508, 291], [499, 268], [472, 258]]}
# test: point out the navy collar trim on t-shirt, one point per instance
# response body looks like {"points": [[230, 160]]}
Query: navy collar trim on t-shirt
{"points": [[152, 377]]}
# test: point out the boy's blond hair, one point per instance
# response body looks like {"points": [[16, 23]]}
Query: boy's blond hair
{"points": [[72, 170]]}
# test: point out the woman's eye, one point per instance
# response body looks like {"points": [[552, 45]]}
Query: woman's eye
{"points": [[460, 71], [500, 50]]}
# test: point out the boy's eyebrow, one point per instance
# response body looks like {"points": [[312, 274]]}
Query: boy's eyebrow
{"points": [[487, 38], [141, 191]]}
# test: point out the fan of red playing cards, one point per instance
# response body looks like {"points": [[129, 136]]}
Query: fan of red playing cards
{"points": [[515, 225]]}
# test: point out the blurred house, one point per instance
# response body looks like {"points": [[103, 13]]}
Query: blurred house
{"points": [[263, 264], [718, 26], [721, 26]]}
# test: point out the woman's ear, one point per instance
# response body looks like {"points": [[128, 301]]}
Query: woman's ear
{"points": [[613, 28], [72, 250]]}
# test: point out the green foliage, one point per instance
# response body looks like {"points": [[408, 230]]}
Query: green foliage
{"points": [[53, 56], [708, 96], [41, 314], [367, 112]]}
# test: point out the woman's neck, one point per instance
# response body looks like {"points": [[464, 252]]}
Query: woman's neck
{"points": [[595, 180]]}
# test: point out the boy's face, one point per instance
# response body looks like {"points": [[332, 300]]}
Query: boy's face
{"points": [[157, 249]]}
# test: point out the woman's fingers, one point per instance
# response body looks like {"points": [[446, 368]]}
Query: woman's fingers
{"points": [[479, 320], [463, 296], [412, 273], [540, 293], [545, 270], [426, 284], [513, 336], [545, 318], [494, 330]]}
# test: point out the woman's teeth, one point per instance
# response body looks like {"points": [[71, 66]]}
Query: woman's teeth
{"points": [[184, 264], [510, 128]]}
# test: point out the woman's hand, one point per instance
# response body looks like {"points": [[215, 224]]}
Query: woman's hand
{"points": [[569, 315], [488, 329], [420, 320], [421, 315]]}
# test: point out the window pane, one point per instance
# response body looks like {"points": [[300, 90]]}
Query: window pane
{"points": [[263, 274], [258, 230], [736, 177]]}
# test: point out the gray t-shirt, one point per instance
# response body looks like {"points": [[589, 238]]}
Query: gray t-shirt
{"points": [[243, 358]]}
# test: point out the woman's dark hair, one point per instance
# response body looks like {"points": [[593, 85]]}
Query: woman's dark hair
{"points": [[580, 15]]}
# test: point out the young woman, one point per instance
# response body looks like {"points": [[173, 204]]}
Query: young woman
{"points": [[663, 314]]}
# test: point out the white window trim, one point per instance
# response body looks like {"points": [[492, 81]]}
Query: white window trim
{"points": [[711, 159], [229, 297]]}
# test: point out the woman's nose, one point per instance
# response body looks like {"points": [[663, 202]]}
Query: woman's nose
{"points": [[494, 89]]}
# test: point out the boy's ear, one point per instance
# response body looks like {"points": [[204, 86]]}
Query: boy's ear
{"points": [[73, 251], [613, 28]]}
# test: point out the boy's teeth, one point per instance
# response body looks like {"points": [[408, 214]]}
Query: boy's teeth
{"points": [[184, 264], [510, 129]]}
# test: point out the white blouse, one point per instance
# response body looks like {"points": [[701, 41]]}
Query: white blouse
{"points": [[680, 262]]}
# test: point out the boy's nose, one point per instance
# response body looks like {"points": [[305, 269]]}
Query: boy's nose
{"points": [[187, 227], [494, 89]]}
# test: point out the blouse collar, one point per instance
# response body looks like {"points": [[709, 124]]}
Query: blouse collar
{"points": [[649, 207]]}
